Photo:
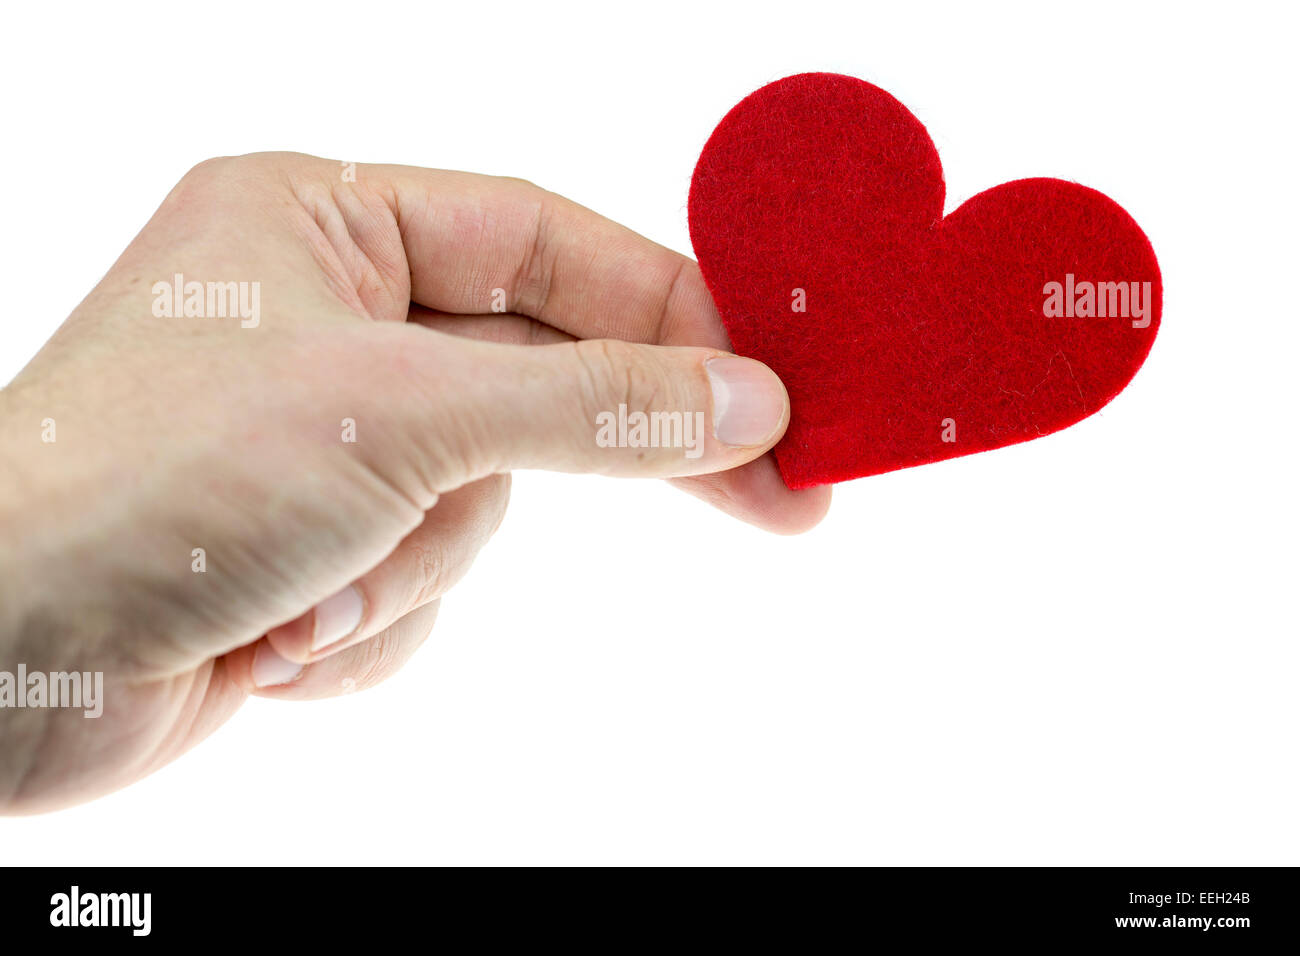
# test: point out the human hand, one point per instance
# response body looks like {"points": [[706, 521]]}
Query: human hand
{"points": [[186, 441]]}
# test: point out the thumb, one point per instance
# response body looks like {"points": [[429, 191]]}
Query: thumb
{"points": [[598, 405]]}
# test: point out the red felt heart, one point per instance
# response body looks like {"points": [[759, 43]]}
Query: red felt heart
{"points": [[922, 337]]}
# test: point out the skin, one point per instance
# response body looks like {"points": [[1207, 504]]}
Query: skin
{"points": [[183, 433]]}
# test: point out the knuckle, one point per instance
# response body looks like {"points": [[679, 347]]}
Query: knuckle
{"points": [[379, 659], [207, 170], [533, 277], [220, 172], [520, 182], [209, 187], [429, 564], [203, 182], [615, 373], [383, 655], [221, 175]]}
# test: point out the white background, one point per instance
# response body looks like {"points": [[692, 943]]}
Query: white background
{"points": [[1076, 650]]}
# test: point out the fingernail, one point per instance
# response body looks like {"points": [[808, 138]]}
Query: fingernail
{"points": [[748, 400], [270, 669], [336, 618]]}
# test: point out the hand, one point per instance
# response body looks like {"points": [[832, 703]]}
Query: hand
{"points": [[273, 502]]}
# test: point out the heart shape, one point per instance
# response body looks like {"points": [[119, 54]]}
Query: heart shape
{"points": [[920, 337]]}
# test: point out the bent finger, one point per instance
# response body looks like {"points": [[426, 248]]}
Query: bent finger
{"points": [[259, 670], [423, 566]]}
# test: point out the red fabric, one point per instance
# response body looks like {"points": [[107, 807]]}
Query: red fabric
{"points": [[917, 327]]}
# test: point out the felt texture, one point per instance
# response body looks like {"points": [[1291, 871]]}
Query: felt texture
{"points": [[922, 337]]}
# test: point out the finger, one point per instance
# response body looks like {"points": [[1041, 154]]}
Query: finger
{"points": [[602, 406], [420, 569], [257, 669], [754, 492], [475, 242]]}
